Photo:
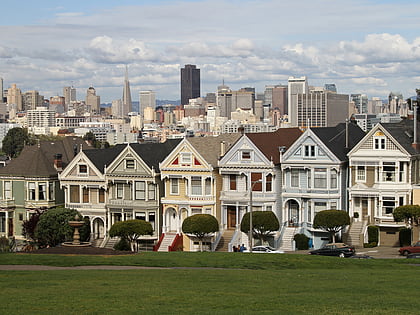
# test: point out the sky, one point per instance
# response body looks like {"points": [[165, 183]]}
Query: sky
{"points": [[363, 46]]}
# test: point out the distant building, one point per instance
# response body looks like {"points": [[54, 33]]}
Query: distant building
{"points": [[295, 86], [32, 100], [14, 96], [361, 102], [41, 117], [69, 93], [92, 100], [57, 104], [147, 99], [127, 105], [190, 83]]}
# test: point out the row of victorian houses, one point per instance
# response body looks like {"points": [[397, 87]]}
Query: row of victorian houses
{"points": [[291, 172]]}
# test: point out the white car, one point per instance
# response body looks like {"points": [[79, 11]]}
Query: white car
{"points": [[264, 249]]}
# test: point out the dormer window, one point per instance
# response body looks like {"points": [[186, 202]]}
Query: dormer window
{"points": [[246, 155], [186, 158], [129, 164], [379, 143], [83, 169], [309, 151]]}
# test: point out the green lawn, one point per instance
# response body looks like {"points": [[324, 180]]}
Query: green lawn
{"points": [[243, 284]]}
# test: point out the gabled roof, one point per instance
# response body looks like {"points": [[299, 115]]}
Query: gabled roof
{"points": [[335, 138], [403, 133], [154, 153], [38, 160], [210, 148], [103, 157], [269, 142]]}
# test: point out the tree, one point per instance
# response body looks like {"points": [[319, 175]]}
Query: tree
{"points": [[14, 141], [53, 227], [200, 226], [264, 223], [331, 221], [131, 230], [410, 214], [90, 137], [29, 226]]}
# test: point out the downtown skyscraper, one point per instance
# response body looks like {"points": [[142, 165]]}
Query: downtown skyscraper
{"points": [[190, 83], [127, 104]]}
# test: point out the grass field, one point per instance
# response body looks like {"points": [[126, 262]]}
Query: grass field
{"points": [[239, 284]]}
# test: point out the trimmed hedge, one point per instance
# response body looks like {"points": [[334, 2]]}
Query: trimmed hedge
{"points": [[302, 241], [405, 237], [373, 234]]}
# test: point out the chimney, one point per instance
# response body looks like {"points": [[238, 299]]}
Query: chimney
{"points": [[222, 148], [58, 161], [415, 144]]}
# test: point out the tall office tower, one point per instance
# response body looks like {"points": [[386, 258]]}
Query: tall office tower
{"points": [[276, 97], [14, 96], [69, 93], [117, 108], [295, 86], [330, 87], [32, 100], [375, 105], [321, 108], [224, 100], [126, 99], [92, 100], [361, 102], [147, 99], [190, 83]]}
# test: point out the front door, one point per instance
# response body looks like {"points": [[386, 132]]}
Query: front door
{"points": [[293, 213], [10, 226], [231, 217]]}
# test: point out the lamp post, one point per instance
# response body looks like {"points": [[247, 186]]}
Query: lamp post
{"points": [[250, 214]]}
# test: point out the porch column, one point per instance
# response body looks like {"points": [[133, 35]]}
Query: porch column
{"points": [[7, 223]]}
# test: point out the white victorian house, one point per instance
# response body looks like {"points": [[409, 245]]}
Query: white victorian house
{"points": [[251, 178], [315, 178]]}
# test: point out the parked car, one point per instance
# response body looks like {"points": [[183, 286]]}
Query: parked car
{"points": [[335, 249], [415, 255], [415, 248], [265, 249]]}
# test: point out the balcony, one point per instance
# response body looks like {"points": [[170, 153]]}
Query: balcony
{"points": [[131, 203], [35, 204], [244, 195]]}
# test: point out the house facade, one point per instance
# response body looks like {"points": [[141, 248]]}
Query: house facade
{"points": [[192, 186], [315, 175], [384, 169]]}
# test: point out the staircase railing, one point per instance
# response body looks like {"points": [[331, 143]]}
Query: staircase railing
{"points": [[234, 240], [216, 241], [176, 244], [156, 247], [277, 241]]}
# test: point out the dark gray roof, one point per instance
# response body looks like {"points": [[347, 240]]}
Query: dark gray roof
{"points": [[335, 138], [103, 157], [403, 133], [38, 160]]}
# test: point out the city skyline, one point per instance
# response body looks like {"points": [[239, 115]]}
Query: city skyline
{"points": [[368, 47]]}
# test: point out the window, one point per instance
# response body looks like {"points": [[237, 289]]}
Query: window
{"points": [[174, 186], [401, 177], [196, 186], [333, 179], [42, 191], [139, 190], [379, 143], [319, 206], [388, 205], [74, 193], [151, 193], [269, 182], [309, 151], [246, 155], [361, 174], [83, 169], [333, 205], [2, 222], [7, 190], [294, 181], [120, 191], [85, 194], [207, 186], [320, 178], [152, 219], [140, 216], [51, 192], [232, 182], [31, 191], [256, 181], [309, 178], [101, 196], [388, 172], [129, 164], [186, 158]]}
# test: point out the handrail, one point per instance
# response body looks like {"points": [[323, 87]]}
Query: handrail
{"points": [[277, 241], [216, 241], [176, 244], [156, 247], [234, 240]]}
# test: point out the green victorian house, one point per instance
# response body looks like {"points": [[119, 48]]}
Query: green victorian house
{"points": [[30, 182]]}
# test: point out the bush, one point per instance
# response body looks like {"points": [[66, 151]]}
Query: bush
{"points": [[370, 245], [4, 244], [405, 237], [123, 244], [356, 215], [373, 234], [302, 241]]}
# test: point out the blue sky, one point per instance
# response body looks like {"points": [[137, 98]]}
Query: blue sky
{"points": [[362, 46]]}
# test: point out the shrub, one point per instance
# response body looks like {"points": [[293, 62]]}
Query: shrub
{"points": [[302, 241], [405, 237], [356, 215], [373, 234], [4, 244], [123, 244], [370, 245]]}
